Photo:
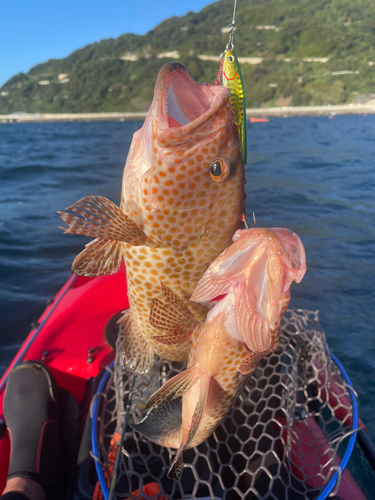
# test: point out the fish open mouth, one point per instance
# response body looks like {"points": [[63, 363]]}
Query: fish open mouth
{"points": [[180, 100], [184, 101]]}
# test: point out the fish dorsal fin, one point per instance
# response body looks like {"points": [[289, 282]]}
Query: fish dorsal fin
{"points": [[99, 258], [174, 316], [138, 355], [173, 388], [101, 218]]}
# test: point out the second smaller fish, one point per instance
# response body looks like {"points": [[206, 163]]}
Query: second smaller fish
{"points": [[250, 283]]}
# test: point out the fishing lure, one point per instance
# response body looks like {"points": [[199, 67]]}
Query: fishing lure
{"points": [[230, 72], [232, 79]]}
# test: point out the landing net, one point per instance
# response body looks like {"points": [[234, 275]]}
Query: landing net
{"points": [[283, 438]]}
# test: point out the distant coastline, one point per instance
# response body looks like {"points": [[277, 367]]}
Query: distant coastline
{"points": [[284, 112]]}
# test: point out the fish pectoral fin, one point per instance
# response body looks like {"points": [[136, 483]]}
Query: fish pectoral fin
{"points": [[138, 356], [100, 218], [251, 361], [99, 258], [173, 388], [162, 425], [174, 316]]}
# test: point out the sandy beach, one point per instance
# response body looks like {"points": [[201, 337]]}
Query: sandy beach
{"points": [[285, 112]]}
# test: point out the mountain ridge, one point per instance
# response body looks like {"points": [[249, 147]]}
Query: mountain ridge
{"points": [[303, 53]]}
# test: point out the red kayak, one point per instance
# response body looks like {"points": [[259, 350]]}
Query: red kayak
{"points": [[72, 337]]}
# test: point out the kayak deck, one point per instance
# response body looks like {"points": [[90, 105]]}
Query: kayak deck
{"points": [[70, 337]]}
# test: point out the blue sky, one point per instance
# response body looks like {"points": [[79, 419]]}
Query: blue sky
{"points": [[32, 31]]}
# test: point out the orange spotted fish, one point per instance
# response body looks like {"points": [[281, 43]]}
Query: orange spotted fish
{"points": [[254, 275], [182, 200]]}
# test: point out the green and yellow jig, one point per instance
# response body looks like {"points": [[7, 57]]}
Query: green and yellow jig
{"points": [[232, 79], [230, 72]]}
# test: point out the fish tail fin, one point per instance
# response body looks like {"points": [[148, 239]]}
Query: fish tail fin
{"points": [[174, 317], [190, 432], [101, 219], [162, 425]]}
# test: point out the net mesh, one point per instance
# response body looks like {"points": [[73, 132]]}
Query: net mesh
{"points": [[281, 439]]}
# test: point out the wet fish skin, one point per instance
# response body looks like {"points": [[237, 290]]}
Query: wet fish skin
{"points": [[239, 331], [181, 202]]}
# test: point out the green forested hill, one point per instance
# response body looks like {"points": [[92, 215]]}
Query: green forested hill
{"points": [[100, 76]]}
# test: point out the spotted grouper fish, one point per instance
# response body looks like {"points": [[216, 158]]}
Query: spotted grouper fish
{"points": [[252, 279], [182, 201]]}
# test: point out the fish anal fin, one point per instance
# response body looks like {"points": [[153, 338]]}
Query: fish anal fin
{"points": [[99, 258], [99, 217], [126, 314], [138, 356], [173, 388]]}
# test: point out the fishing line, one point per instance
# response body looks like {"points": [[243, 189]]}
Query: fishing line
{"points": [[229, 45], [231, 32], [231, 77]]}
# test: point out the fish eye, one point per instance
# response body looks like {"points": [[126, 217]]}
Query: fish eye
{"points": [[219, 170], [230, 59]]}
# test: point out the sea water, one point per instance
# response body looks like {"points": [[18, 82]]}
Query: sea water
{"points": [[313, 175]]}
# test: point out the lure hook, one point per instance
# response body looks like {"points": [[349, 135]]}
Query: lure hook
{"points": [[246, 222], [254, 221]]}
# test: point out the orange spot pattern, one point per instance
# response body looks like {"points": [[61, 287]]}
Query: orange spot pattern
{"points": [[181, 210]]}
